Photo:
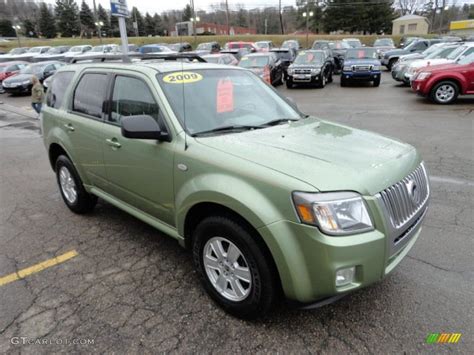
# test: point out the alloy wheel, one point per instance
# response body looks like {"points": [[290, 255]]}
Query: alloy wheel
{"points": [[445, 93], [68, 186]]}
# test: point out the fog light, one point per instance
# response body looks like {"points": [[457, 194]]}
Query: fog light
{"points": [[345, 276]]}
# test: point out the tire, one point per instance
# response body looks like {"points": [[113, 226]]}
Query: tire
{"points": [[322, 81], [330, 79], [289, 83], [260, 293], [72, 190], [391, 63], [444, 93], [377, 82], [343, 81]]}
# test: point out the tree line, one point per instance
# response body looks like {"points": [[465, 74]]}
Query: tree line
{"points": [[68, 18]]}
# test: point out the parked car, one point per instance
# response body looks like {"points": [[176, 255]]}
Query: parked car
{"points": [[417, 46], [220, 58], [292, 44], [451, 39], [12, 54], [339, 50], [250, 46], [265, 65], [264, 46], [443, 83], [98, 50], [383, 45], [361, 64], [353, 42], [31, 53], [321, 45], [8, 69], [238, 53], [406, 40], [208, 48], [446, 54], [270, 201], [76, 50], [286, 57], [314, 67], [154, 48], [21, 82], [181, 47], [54, 53]]}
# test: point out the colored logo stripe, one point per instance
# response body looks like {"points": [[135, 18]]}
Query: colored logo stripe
{"points": [[442, 338]]}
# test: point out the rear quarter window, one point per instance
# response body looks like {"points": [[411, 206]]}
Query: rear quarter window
{"points": [[58, 87]]}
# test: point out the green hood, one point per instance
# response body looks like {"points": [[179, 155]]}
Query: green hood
{"points": [[328, 156]]}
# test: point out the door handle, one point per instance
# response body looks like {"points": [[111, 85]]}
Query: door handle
{"points": [[69, 127], [113, 143]]}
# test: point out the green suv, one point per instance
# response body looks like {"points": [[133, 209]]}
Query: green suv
{"points": [[269, 200]]}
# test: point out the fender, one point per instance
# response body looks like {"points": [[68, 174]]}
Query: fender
{"points": [[451, 75], [56, 135], [238, 195]]}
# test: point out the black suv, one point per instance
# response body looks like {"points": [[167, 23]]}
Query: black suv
{"points": [[286, 56], [313, 67]]}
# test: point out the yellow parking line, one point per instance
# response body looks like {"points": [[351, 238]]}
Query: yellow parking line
{"points": [[37, 268]]}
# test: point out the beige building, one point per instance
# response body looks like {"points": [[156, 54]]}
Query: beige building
{"points": [[410, 25]]}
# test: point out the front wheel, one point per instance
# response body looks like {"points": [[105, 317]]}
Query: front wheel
{"points": [[322, 81], [343, 81], [377, 82], [444, 93], [77, 199], [234, 271], [289, 83]]}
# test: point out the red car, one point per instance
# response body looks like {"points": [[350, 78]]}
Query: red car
{"points": [[443, 83], [237, 45], [9, 69]]}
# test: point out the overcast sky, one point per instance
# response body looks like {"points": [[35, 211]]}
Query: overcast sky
{"points": [[153, 6]]}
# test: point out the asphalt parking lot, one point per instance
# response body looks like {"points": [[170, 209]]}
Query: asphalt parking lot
{"points": [[121, 286]]}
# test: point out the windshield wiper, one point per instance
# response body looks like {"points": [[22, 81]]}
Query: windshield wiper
{"points": [[227, 128], [277, 122]]}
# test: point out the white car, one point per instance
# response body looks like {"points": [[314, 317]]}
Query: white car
{"points": [[75, 51], [32, 53], [457, 54], [98, 50]]}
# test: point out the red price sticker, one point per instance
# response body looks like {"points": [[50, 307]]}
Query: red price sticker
{"points": [[225, 96]]}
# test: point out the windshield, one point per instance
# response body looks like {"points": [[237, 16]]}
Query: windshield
{"points": [[35, 50], [339, 45], [262, 44], [97, 49], [309, 58], [175, 47], [320, 45], [214, 98], [254, 62], [17, 51], [32, 69], [383, 42], [454, 54], [354, 43], [440, 53], [54, 51], [469, 59], [362, 53], [75, 49], [204, 47]]}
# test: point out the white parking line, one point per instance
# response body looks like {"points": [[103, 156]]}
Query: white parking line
{"points": [[448, 180]]}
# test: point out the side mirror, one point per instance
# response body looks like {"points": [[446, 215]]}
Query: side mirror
{"points": [[143, 127]]}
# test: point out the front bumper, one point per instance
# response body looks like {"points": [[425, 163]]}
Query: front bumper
{"points": [[304, 78], [362, 76], [307, 260], [17, 89]]}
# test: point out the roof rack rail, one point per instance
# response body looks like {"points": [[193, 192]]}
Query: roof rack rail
{"points": [[100, 58]]}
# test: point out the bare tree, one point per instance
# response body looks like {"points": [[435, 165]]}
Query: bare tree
{"points": [[410, 6]]}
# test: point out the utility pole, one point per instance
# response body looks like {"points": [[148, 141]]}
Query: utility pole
{"points": [[193, 19], [227, 16], [135, 23], [443, 7], [266, 25], [281, 17], [97, 23]]}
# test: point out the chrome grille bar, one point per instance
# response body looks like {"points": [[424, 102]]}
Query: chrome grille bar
{"points": [[404, 199]]}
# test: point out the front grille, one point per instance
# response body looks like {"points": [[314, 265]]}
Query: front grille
{"points": [[358, 68], [302, 71], [406, 198]]}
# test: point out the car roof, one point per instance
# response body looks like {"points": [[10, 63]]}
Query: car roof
{"points": [[313, 51], [259, 54]]}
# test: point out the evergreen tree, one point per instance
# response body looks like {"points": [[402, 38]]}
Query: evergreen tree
{"points": [[150, 26], [6, 28], [67, 14], [104, 17], [86, 18], [159, 26], [187, 13], [114, 26], [136, 16], [29, 28], [46, 24]]}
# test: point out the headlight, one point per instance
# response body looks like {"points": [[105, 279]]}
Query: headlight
{"points": [[315, 71], [376, 67], [335, 213], [423, 76], [290, 71], [347, 68], [26, 82]]}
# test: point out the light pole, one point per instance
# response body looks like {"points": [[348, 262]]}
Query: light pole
{"points": [[17, 28], [195, 20], [99, 25], [307, 15]]}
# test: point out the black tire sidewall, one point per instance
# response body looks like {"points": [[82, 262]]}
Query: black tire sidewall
{"points": [[263, 289]]}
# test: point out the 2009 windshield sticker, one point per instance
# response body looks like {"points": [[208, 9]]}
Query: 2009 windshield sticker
{"points": [[182, 77]]}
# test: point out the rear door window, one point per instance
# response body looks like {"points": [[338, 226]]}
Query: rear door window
{"points": [[58, 88], [89, 94]]}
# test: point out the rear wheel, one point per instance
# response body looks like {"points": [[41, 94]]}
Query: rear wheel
{"points": [[77, 199], [391, 63], [330, 80], [444, 93], [235, 272]]}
